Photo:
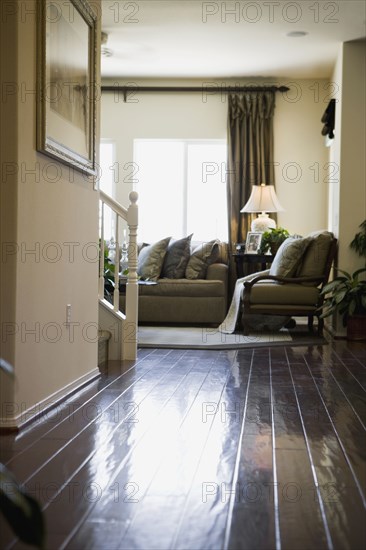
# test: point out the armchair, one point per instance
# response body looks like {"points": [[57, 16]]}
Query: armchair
{"points": [[293, 285]]}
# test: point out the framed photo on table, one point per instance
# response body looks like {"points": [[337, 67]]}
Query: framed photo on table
{"points": [[253, 242], [66, 87]]}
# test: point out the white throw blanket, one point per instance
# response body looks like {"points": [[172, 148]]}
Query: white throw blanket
{"points": [[229, 323]]}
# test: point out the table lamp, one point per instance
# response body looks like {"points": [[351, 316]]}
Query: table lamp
{"points": [[263, 199]]}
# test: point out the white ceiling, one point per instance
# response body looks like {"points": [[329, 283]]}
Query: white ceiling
{"points": [[193, 38]]}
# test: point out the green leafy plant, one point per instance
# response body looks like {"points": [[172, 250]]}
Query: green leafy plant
{"points": [[358, 244], [108, 272], [346, 294], [108, 267], [272, 239], [22, 512]]}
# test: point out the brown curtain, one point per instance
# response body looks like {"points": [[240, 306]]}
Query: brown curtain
{"points": [[250, 156]]}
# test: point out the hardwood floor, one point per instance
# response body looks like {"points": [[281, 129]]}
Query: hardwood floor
{"points": [[250, 449]]}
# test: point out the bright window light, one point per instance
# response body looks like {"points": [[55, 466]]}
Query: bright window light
{"points": [[182, 189], [107, 184]]}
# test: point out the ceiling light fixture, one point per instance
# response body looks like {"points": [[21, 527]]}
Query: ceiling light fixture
{"points": [[296, 34]]}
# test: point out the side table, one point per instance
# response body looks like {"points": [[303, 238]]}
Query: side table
{"points": [[241, 259]]}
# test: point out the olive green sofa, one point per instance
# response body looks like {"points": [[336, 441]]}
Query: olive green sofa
{"points": [[183, 300]]}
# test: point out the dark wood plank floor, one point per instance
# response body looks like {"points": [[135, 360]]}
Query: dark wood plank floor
{"points": [[246, 449]]}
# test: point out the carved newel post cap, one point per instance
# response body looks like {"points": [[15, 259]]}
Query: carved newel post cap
{"points": [[133, 196]]}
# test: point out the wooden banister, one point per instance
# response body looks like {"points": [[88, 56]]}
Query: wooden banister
{"points": [[114, 205]]}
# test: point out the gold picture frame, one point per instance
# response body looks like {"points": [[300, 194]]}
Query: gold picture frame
{"points": [[66, 83]]}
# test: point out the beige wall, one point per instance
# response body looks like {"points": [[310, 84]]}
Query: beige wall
{"points": [[9, 195], [42, 205], [347, 196], [302, 157], [298, 142]]}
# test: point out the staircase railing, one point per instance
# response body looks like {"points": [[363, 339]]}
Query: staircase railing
{"points": [[130, 215]]}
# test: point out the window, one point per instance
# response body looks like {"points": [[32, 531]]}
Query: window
{"points": [[182, 188], [107, 184]]}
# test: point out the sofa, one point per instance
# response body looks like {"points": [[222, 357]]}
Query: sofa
{"points": [[182, 282]]}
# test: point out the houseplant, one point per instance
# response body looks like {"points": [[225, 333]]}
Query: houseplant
{"points": [[346, 294], [358, 244], [108, 272], [272, 240]]}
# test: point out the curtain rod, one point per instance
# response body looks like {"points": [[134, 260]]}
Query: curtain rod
{"points": [[203, 88]]}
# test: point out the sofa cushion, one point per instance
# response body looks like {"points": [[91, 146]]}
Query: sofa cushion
{"points": [[151, 258], [313, 261], [176, 258], [184, 287], [194, 310], [266, 292], [217, 272], [202, 256], [289, 256]]}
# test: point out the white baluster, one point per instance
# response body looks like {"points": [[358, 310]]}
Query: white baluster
{"points": [[130, 326], [116, 270]]}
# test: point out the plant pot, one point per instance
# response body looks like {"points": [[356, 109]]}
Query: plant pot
{"points": [[356, 328]]}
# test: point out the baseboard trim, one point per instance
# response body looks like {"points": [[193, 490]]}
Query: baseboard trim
{"points": [[26, 417]]}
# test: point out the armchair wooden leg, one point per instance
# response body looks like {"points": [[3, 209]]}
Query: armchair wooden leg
{"points": [[244, 326], [320, 326], [311, 322]]}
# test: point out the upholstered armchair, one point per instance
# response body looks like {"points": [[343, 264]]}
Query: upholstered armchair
{"points": [[292, 287]]}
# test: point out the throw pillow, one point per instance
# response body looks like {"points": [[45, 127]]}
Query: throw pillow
{"points": [[289, 256], [202, 256], [140, 246], [176, 258], [151, 258], [314, 260]]}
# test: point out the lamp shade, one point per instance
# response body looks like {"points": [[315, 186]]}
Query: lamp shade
{"points": [[263, 198]]}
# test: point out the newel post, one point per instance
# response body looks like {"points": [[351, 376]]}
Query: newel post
{"points": [[129, 336]]}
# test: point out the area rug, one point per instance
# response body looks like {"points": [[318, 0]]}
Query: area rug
{"points": [[212, 338]]}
